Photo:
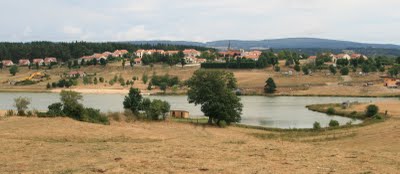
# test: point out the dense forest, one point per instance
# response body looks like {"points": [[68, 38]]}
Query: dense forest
{"points": [[65, 51]]}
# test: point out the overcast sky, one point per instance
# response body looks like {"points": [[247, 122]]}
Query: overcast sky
{"points": [[376, 21]]}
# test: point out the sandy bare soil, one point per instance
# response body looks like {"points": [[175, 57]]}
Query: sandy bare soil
{"points": [[61, 145]]}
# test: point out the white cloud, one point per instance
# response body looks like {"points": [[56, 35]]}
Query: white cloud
{"points": [[200, 20], [27, 31], [71, 30], [138, 32]]}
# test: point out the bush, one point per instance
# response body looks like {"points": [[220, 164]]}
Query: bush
{"points": [[55, 109], [372, 110], [21, 103], [378, 117], [305, 70], [9, 113], [316, 126], [333, 123], [277, 68], [331, 111], [94, 116], [344, 71], [270, 86], [222, 124], [297, 68], [101, 79]]}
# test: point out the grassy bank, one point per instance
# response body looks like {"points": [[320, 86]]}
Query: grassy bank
{"points": [[338, 109]]}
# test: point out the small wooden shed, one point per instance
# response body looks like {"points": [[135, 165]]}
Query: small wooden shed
{"points": [[179, 114]]}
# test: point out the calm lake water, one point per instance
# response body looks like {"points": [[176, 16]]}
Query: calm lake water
{"points": [[276, 112]]}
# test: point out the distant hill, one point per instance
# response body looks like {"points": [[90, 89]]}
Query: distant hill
{"points": [[289, 43]]}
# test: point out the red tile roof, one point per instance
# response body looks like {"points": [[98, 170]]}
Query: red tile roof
{"points": [[24, 62], [50, 59], [38, 60], [312, 57], [7, 62]]}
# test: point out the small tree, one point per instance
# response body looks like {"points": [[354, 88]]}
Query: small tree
{"points": [[183, 62], [332, 69], [103, 62], [1, 65], [95, 81], [157, 109], [305, 70], [344, 71], [48, 86], [132, 63], [163, 87], [145, 78], [333, 123], [297, 68], [132, 100], [21, 103], [69, 64], [270, 86], [72, 107], [372, 110], [331, 111], [316, 126], [14, 70], [123, 63], [277, 68], [150, 86]]}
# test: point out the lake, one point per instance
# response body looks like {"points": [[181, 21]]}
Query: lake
{"points": [[274, 112]]}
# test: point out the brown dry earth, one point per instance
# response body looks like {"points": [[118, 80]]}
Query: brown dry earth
{"points": [[61, 145]]}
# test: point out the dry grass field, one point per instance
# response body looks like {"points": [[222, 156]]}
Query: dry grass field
{"points": [[61, 145], [251, 81]]}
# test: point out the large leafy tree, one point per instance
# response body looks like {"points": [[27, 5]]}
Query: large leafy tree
{"points": [[133, 100], [213, 90]]}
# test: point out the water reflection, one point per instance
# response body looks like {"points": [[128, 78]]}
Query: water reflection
{"points": [[277, 112]]}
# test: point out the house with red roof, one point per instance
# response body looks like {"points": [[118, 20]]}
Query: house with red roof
{"points": [[107, 53], [200, 60], [38, 61], [24, 62], [50, 60], [98, 56], [191, 53], [358, 56], [7, 63], [340, 56], [254, 55], [120, 53], [171, 52], [138, 61]]}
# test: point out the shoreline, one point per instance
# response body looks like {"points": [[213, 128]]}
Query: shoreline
{"points": [[126, 91]]}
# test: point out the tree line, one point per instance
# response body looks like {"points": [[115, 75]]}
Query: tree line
{"points": [[65, 51]]}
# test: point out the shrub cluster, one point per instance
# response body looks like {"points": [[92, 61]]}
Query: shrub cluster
{"points": [[70, 107], [145, 108]]}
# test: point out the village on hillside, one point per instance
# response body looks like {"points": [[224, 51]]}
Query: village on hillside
{"points": [[230, 58]]}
